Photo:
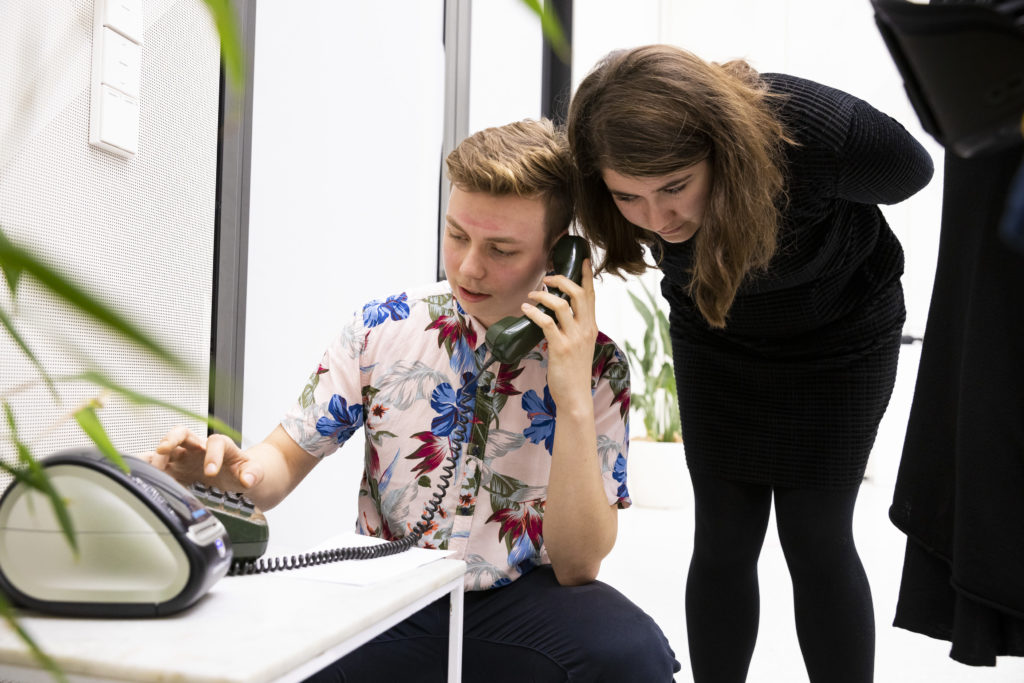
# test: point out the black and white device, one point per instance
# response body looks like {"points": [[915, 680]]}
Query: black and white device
{"points": [[146, 545]]}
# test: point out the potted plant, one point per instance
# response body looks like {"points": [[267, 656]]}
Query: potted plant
{"points": [[656, 464]]}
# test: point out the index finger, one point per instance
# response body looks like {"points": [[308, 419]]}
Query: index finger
{"points": [[178, 437], [214, 457], [588, 276], [586, 282]]}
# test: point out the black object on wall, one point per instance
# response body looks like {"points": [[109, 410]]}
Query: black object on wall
{"points": [[963, 69], [556, 77]]}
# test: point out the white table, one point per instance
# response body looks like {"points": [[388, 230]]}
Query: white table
{"points": [[271, 627]]}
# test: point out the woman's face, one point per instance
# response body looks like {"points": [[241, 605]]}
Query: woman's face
{"points": [[670, 205]]}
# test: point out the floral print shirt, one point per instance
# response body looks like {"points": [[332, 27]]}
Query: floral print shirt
{"points": [[407, 370]]}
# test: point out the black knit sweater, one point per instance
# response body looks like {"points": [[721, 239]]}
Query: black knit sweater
{"points": [[791, 391]]}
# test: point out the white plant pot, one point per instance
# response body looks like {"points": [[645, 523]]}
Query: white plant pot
{"points": [[656, 474]]}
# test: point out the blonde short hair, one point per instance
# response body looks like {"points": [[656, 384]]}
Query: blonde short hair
{"points": [[528, 158]]}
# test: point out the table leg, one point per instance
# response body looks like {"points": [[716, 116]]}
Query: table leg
{"points": [[455, 635]]}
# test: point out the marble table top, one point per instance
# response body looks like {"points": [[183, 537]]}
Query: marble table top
{"points": [[245, 629]]}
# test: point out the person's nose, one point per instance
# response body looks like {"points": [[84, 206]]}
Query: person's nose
{"points": [[472, 265], [660, 215]]}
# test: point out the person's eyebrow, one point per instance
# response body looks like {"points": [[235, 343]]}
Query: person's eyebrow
{"points": [[681, 179], [494, 240]]}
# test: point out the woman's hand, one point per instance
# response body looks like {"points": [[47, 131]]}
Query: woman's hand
{"points": [[570, 341], [214, 461]]}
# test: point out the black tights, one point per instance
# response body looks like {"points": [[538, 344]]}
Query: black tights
{"points": [[835, 621]]}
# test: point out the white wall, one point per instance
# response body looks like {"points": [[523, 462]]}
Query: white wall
{"points": [[505, 64], [346, 151]]}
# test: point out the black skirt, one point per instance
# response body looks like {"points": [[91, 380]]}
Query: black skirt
{"points": [[788, 422]]}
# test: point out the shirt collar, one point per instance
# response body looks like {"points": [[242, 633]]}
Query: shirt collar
{"points": [[480, 332]]}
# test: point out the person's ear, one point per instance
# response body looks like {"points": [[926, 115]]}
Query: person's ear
{"points": [[551, 246]]}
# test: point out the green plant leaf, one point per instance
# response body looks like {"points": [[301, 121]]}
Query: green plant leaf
{"points": [[8, 324], [8, 614], [89, 421], [642, 309], [230, 42], [551, 27], [16, 257], [34, 475], [656, 403], [19, 474], [667, 379], [651, 349], [650, 296], [11, 271], [60, 508], [141, 399], [663, 331]]}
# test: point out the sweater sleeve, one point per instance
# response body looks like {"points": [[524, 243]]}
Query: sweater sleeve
{"points": [[880, 162]]}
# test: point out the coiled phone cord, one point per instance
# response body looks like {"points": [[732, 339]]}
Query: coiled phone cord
{"points": [[369, 552]]}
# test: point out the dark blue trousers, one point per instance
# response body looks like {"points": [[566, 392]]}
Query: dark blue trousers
{"points": [[530, 630]]}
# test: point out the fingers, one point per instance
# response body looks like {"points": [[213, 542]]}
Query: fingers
{"points": [[176, 451], [218, 461], [157, 460], [580, 306], [248, 473], [177, 440], [226, 462], [216, 446]]}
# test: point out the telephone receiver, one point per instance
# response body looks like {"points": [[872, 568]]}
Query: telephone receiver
{"points": [[511, 338]]}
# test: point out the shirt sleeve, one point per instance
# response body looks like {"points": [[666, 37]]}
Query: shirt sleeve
{"points": [[611, 417], [880, 162], [330, 408]]}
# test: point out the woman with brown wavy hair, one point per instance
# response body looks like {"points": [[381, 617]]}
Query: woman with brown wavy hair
{"points": [[757, 197]]}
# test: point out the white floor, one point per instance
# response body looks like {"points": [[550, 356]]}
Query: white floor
{"points": [[650, 558]]}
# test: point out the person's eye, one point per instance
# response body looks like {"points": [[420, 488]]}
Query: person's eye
{"points": [[624, 198], [676, 189], [456, 237], [502, 252]]}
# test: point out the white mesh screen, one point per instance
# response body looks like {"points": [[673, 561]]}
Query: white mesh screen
{"points": [[139, 234]]}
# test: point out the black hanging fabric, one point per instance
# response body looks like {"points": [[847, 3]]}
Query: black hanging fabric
{"points": [[959, 495]]}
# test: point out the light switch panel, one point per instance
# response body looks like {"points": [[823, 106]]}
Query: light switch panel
{"points": [[122, 63], [115, 122], [116, 76], [123, 16]]}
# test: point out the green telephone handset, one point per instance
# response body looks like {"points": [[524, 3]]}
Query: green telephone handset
{"points": [[511, 338]]}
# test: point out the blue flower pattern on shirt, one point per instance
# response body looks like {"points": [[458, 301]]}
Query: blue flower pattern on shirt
{"points": [[542, 418], [522, 550], [443, 401], [619, 474], [344, 420], [446, 402], [377, 311]]}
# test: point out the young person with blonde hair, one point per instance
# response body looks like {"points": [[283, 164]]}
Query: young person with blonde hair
{"points": [[540, 445], [756, 196]]}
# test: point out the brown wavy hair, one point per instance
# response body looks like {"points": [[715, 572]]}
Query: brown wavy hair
{"points": [[528, 158], [653, 110]]}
